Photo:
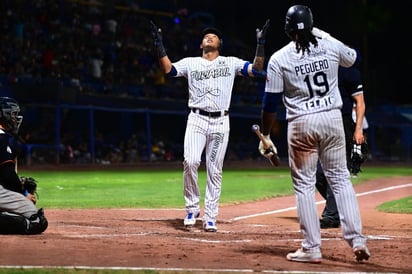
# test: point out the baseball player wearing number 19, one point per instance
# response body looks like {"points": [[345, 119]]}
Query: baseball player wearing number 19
{"points": [[305, 74], [210, 81]]}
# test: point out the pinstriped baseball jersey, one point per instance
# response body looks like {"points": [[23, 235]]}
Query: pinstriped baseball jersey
{"points": [[311, 95], [310, 81], [210, 82]]}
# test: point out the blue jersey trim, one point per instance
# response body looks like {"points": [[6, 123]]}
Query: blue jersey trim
{"points": [[244, 69], [172, 72]]}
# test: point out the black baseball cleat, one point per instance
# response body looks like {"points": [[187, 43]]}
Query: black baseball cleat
{"points": [[329, 224]]}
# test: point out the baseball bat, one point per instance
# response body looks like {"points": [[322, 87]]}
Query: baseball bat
{"points": [[274, 160]]}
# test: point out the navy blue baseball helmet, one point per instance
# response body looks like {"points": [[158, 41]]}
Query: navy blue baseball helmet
{"points": [[212, 30], [215, 31]]}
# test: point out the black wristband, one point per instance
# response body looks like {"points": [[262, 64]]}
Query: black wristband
{"points": [[161, 52], [260, 50]]}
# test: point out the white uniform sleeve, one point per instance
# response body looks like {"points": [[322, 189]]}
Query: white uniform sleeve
{"points": [[320, 33], [347, 55], [274, 76], [181, 67]]}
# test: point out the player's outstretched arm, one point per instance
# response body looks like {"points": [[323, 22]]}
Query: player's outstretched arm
{"points": [[157, 39], [259, 60], [164, 60]]}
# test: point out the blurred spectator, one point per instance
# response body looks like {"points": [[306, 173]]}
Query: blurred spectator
{"points": [[94, 49], [83, 43], [96, 63]]}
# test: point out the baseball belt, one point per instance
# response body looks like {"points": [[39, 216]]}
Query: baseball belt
{"points": [[210, 114]]}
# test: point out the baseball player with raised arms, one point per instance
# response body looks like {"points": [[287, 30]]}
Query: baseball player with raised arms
{"points": [[304, 73], [210, 81]]}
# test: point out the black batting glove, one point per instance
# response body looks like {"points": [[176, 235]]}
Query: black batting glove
{"points": [[261, 34], [157, 39], [156, 34]]}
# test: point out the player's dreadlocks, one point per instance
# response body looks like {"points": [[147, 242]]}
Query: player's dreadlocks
{"points": [[303, 40]]}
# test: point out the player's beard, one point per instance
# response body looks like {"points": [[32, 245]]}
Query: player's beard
{"points": [[210, 48]]}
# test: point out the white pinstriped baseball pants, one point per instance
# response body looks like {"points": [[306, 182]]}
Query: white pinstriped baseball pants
{"points": [[322, 135], [210, 135]]}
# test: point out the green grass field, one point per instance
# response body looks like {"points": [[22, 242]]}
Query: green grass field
{"points": [[164, 188]]}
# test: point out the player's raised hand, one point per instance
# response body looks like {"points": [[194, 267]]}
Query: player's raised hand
{"points": [[261, 33], [156, 34], [157, 39]]}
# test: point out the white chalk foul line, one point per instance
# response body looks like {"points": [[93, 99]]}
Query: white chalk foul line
{"points": [[176, 269], [320, 202], [215, 241]]}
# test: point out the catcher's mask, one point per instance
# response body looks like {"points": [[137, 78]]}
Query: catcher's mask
{"points": [[9, 114]]}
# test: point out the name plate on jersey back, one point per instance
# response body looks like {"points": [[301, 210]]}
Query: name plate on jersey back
{"points": [[319, 103]]}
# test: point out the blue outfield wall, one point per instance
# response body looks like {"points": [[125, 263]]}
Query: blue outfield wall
{"points": [[93, 127], [390, 132]]}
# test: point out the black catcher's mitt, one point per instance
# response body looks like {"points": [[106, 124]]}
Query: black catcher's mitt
{"points": [[29, 185], [359, 154]]}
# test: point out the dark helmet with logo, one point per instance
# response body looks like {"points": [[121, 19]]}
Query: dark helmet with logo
{"points": [[298, 17]]}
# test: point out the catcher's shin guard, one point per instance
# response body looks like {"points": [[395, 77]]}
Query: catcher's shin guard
{"points": [[13, 224], [17, 224]]}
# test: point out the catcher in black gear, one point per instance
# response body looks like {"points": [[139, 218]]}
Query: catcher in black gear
{"points": [[351, 90], [18, 212]]}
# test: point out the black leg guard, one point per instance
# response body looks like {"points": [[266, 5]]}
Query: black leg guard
{"points": [[13, 224], [16, 224], [38, 223]]}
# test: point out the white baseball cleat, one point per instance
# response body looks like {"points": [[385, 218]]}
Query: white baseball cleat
{"points": [[209, 226], [190, 219], [305, 256]]}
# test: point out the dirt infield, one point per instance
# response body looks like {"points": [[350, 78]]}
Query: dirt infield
{"points": [[251, 237]]}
